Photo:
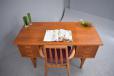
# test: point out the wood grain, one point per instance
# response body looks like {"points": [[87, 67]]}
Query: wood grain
{"points": [[34, 34]]}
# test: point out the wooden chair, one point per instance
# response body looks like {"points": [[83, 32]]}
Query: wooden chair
{"points": [[56, 56]]}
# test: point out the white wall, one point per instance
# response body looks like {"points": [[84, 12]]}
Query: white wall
{"points": [[67, 3], [103, 8], [12, 11]]}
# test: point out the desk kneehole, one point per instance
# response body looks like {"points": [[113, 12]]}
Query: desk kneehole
{"points": [[86, 51]]}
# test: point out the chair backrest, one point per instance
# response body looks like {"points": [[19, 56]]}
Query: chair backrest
{"points": [[56, 54]]}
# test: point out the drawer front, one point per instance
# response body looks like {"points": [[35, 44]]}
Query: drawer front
{"points": [[86, 51], [28, 51]]}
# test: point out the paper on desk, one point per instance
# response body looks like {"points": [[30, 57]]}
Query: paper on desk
{"points": [[58, 35]]}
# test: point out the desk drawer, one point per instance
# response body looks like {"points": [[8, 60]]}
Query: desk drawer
{"points": [[28, 50], [86, 51]]}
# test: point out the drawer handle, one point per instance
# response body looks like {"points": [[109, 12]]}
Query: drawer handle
{"points": [[88, 48], [27, 47]]}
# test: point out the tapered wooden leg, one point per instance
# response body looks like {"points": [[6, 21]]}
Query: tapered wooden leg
{"points": [[34, 62], [46, 70], [82, 62], [68, 70]]}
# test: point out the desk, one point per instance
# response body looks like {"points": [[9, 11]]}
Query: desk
{"points": [[85, 39]]}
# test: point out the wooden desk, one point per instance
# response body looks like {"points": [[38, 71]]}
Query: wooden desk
{"points": [[30, 39]]}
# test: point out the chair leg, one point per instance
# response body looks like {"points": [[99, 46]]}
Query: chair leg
{"points": [[68, 70], [46, 70]]}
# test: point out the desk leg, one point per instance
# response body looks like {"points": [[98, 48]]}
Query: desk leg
{"points": [[34, 62], [82, 62]]}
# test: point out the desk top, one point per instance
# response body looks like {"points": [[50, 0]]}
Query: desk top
{"points": [[34, 34]]}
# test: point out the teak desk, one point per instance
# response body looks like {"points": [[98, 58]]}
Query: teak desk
{"points": [[85, 39]]}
